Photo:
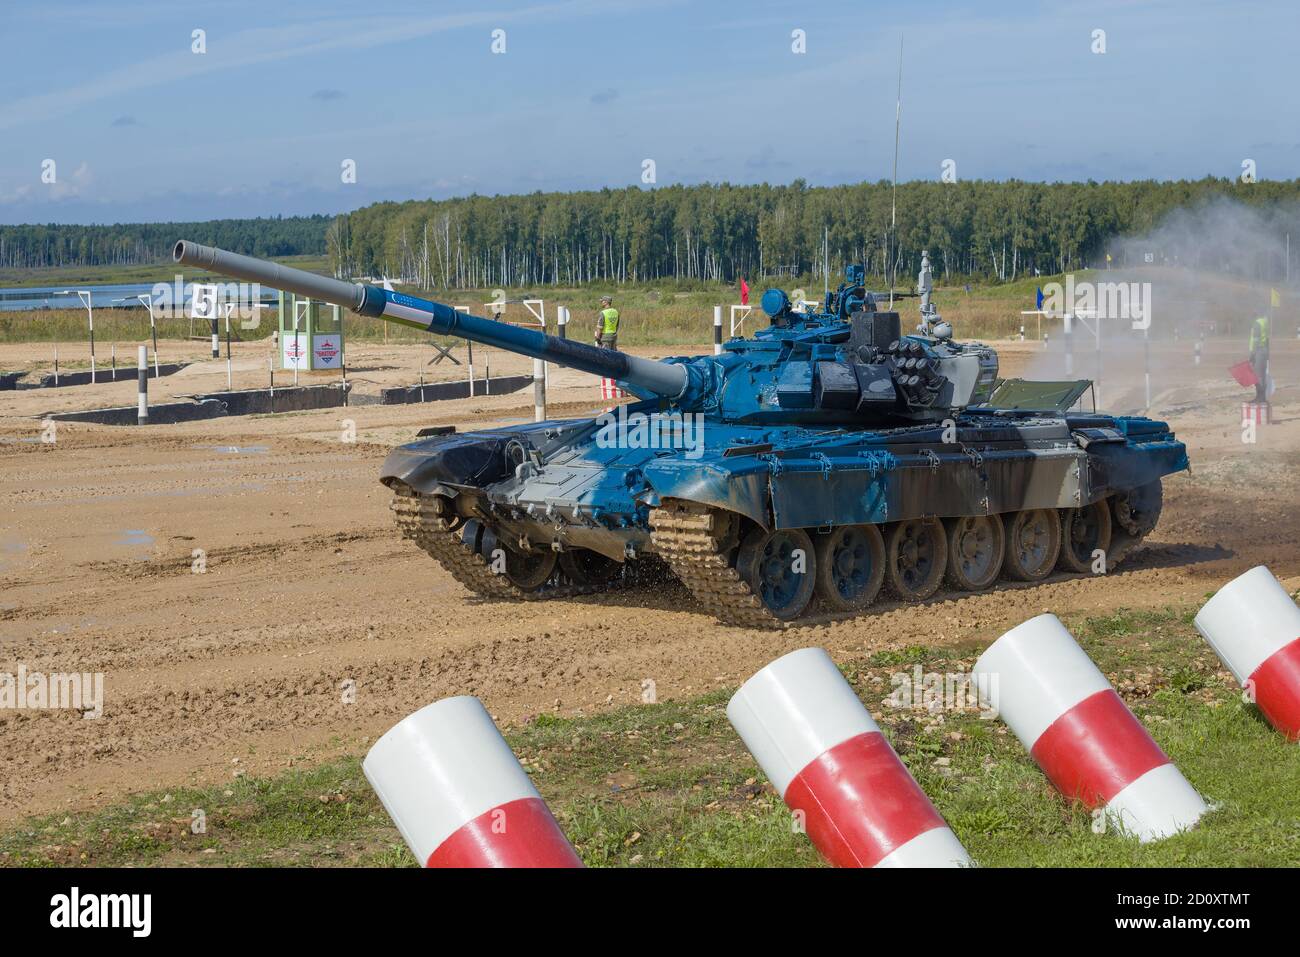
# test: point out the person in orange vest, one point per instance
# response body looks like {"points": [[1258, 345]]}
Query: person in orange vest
{"points": [[607, 324]]}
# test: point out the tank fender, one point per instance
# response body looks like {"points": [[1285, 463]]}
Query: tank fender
{"points": [[738, 485]]}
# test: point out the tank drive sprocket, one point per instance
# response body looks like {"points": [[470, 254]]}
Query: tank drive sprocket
{"points": [[696, 542]]}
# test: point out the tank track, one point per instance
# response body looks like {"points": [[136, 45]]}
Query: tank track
{"points": [[419, 522], [684, 536]]}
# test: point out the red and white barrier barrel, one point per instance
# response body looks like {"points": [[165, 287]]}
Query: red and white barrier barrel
{"points": [[456, 792], [1256, 412], [1083, 736], [1254, 627], [609, 389], [830, 763]]}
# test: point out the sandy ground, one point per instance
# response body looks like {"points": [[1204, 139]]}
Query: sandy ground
{"points": [[309, 591]]}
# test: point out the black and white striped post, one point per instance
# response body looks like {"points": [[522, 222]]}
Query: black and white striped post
{"points": [[216, 336], [717, 330], [562, 321], [539, 390], [1197, 358], [142, 386]]}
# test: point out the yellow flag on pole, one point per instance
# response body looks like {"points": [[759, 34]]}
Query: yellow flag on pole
{"points": [[1274, 298]]}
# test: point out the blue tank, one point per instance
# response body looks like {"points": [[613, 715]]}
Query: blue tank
{"points": [[793, 476]]}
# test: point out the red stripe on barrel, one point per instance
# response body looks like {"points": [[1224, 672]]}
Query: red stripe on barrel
{"points": [[1277, 690], [860, 802], [1096, 749], [520, 833]]}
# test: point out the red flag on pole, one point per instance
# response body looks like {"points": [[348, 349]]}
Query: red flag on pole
{"points": [[744, 292]]}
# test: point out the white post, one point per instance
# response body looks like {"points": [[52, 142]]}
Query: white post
{"points": [[717, 330], [1069, 344], [153, 330], [142, 386], [90, 321], [539, 390], [230, 378], [1146, 365], [470, 346]]}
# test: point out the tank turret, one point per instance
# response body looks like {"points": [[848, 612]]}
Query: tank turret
{"points": [[846, 364]]}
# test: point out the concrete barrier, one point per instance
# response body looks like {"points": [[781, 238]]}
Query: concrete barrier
{"points": [[9, 380], [834, 769], [1082, 734], [167, 413], [83, 378], [292, 399], [437, 391], [458, 795], [1254, 627]]}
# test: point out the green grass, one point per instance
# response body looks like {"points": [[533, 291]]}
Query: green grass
{"points": [[659, 313], [671, 784]]}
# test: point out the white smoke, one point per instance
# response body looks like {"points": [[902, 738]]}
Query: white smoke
{"points": [[1210, 269]]}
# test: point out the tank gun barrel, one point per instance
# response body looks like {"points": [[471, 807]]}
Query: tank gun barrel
{"points": [[662, 378]]}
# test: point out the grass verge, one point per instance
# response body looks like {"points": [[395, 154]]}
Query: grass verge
{"points": [[671, 784]]}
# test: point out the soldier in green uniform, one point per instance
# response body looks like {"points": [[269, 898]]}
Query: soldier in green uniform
{"points": [[607, 324]]}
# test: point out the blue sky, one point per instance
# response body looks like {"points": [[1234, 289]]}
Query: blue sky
{"points": [[141, 128]]}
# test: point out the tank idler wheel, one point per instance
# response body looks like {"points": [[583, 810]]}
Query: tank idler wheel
{"points": [[527, 571], [780, 568], [530, 571], [976, 547], [916, 555], [1084, 530], [589, 569], [1033, 544], [850, 567]]}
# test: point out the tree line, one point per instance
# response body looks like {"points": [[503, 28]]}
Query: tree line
{"points": [[982, 230], [134, 244], [719, 232]]}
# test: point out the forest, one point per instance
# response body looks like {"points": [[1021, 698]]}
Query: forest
{"points": [[137, 244], [975, 230], [990, 231]]}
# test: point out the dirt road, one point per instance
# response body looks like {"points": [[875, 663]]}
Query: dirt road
{"points": [[242, 587]]}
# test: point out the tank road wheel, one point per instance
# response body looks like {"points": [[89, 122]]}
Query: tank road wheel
{"points": [[780, 567], [1083, 531], [589, 569], [976, 546], [1033, 544], [916, 555], [850, 567]]}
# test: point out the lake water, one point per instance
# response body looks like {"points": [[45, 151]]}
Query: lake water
{"points": [[121, 296]]}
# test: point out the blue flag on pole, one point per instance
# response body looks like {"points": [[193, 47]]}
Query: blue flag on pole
{"points": [[1039, 302]]}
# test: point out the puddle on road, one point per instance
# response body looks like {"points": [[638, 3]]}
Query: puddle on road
{"points": [[135, 537], [236, 449]]}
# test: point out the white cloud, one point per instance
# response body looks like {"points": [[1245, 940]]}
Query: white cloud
{"points": [[264, 45]]}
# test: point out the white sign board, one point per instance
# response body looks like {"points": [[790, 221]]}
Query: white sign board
{"points": [[203, 302], [326, 351], [295, 350]]}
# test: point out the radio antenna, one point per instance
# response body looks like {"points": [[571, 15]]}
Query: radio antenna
{"points": [[891, 246]]}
